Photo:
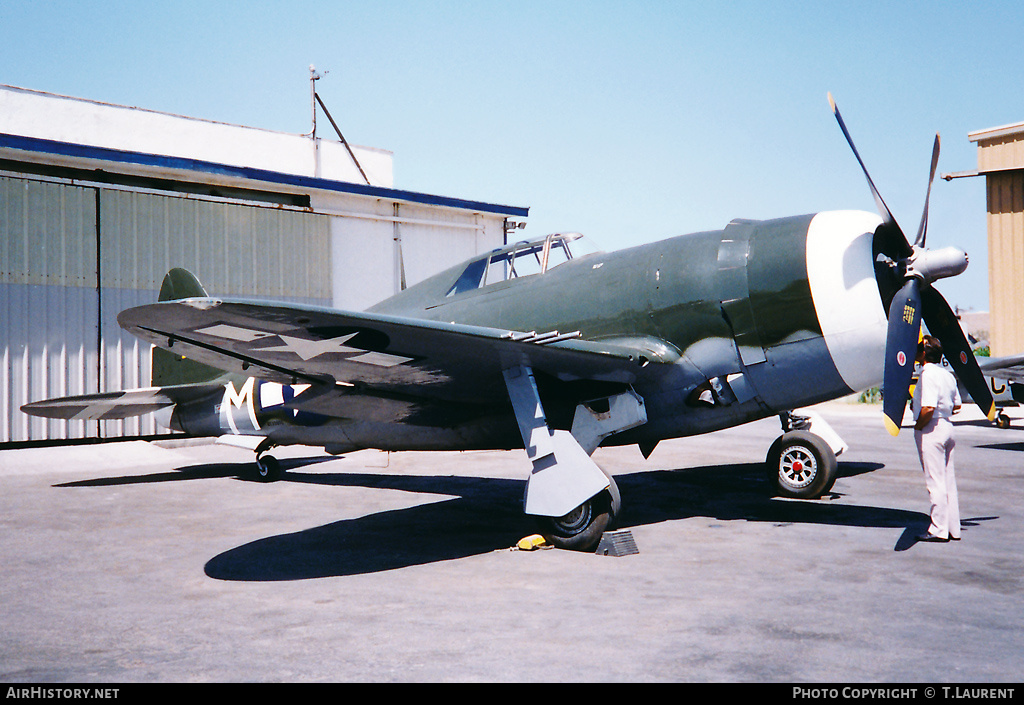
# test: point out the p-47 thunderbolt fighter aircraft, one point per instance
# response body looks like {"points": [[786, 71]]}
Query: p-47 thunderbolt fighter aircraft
{"points": [[537, 346]]}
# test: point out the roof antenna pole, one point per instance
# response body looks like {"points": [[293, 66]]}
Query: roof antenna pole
{"points": [[313, 78], [314, 101]]}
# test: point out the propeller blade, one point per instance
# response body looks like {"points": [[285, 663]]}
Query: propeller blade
{"points": [[922, 229], [895, 236], [900, 352], [942, 323]]}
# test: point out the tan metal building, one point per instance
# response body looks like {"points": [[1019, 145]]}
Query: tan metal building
{"points": [[1001, 161]]}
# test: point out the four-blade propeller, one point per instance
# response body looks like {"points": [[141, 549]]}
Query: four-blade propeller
{"points": [[917, 300]]}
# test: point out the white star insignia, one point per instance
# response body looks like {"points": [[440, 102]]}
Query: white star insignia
{"points": [[303, 347], [308, 349]]}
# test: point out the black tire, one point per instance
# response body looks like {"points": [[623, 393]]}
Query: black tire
{"points": [[801, 465], [268, 469], [1002, 421], [582, 528]]}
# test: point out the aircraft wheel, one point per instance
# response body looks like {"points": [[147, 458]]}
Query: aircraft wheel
{"points": [[268, 469], [582, 528], [801, 465], [1003, 421]]}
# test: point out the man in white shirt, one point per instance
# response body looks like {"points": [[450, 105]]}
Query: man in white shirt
{"points": [[936, 399]]}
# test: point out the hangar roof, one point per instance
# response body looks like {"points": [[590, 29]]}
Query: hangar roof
{"points": [[34, 150], [1014, 130], [1000, 149], [94, 140]]}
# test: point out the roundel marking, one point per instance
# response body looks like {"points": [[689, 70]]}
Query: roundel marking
{"points": [[901, 358], [963, 357]]}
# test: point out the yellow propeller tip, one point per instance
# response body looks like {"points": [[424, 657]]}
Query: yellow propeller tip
{"points": [[891, 426], [992, 412]]}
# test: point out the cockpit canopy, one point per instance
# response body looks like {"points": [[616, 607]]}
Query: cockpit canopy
{"points": [[521, 259]]}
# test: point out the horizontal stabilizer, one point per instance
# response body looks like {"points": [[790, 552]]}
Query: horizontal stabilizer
{"points": [[1011, 367], [118, 405]]}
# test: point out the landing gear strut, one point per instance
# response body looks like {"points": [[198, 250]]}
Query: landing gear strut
{"points": [[572, 499]]}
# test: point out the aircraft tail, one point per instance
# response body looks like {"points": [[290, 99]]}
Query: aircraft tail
{"points": [[176, 379], [170, 369]]}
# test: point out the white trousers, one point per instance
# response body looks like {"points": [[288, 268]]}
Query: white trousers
{"points": [[935, 447]]}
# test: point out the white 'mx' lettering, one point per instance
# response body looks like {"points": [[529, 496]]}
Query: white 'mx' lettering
{"points": [[243, 399]]}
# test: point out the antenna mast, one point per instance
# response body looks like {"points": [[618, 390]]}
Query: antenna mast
{"points": [[313, 78], [314, 100]]}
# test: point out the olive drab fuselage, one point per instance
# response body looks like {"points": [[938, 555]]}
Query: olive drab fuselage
{"points": [[730, 319]]}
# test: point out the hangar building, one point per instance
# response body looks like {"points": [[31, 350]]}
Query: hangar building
{"points": [[1001, 161], [99, 201]]}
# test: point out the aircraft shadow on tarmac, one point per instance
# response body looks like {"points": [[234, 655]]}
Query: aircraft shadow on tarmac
{"points": [[1018, 446], [484, 515], [241, 471]]}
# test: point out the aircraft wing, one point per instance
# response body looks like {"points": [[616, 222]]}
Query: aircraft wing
{"points": [[378, 353], [1011, 367], [106, 406]]}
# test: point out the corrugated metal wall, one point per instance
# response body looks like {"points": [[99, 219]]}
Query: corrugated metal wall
{"points": [[48, 303], [1006, 260], [59, 241]]}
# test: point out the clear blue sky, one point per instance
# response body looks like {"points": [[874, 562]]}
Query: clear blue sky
{"points": [[627, 121]]}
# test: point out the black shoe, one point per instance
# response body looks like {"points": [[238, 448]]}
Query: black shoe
{"points": [[932, 539]]}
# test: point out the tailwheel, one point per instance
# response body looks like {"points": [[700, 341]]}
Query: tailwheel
{"points": [[268, 468], [582, 528], [801, 465], [1002, 421]]}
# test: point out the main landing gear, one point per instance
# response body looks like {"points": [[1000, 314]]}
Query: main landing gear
{"points": [[573, 500], [802, 464]]}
